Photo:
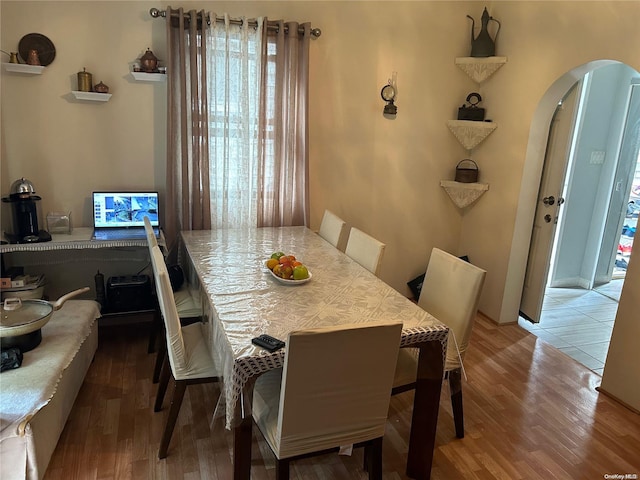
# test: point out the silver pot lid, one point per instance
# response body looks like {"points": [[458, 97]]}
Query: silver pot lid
{"points": [[22, 187], [29, 311]]}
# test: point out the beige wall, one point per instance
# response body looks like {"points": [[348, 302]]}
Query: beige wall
{"points": [[380, 175]]}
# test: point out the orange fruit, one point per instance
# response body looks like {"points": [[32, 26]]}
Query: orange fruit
{"points": [[272, 262]]}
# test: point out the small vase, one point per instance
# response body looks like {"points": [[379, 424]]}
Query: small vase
{"points": [[149, 62], [101, 88], [33, 58]]}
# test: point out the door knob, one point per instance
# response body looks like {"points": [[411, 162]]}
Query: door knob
{"points": [[547, 218], [550, 200]]}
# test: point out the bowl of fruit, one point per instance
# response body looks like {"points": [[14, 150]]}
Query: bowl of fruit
{"points": [[287, 270]]}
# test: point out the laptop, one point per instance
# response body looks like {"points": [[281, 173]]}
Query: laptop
{"points": [[120, 215]]}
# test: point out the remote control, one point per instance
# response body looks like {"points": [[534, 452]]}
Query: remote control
{"points": [[268, 342]]}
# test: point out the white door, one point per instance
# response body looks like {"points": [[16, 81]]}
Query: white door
{"points": [[549, 202]]}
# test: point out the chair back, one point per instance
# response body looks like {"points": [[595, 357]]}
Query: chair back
{"points": [[336, 386], [451, 292], [178, 356], [365, 250], [332, 228], [151, 236]]}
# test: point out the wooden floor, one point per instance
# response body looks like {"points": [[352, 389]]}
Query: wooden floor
{"points": [[531, 412]]}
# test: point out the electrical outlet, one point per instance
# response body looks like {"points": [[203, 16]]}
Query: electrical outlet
{"points": [[597, 157]]}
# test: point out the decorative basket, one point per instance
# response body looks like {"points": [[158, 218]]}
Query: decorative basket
{"points": [[466, 171]]}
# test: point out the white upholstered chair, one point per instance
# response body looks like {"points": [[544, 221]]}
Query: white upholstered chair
{"points": [[187, 301], [365, 250], [333, 390], [450, 292], [332, 229], [188, 358]]}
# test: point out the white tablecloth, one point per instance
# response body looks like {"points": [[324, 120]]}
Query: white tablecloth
{"points": [[244, 300]]}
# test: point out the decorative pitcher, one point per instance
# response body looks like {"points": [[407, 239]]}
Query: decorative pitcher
{"points": [[483, 45]]}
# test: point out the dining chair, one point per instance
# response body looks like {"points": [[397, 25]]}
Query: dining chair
{"points": [[332, 228], [334, 390], [450, 292], [188, 304], [188, 360], [365, 250]]}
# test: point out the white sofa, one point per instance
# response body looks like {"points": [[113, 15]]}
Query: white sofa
{"points": [[36, 399]]}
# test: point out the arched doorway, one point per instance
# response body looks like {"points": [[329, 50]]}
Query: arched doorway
{"points": [[593, 211]]}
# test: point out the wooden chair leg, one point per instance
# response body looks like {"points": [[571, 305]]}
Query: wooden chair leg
{"points": [[373, 456], [165, 373], [282, 469], [455, 387], [176, 403], [160, 357], [366, 462], [156, 325]]}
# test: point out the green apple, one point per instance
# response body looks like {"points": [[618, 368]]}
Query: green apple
{"points": [[300, 272], [277, 255]]}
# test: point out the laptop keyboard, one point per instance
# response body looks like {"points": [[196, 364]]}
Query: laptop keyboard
{"points": [[120, 234]]}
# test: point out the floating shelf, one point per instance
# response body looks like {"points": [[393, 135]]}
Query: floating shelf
{"points": [[149, 77], [480, 68], [91, 96], [469, 133], [23, 68], [463, 194]]}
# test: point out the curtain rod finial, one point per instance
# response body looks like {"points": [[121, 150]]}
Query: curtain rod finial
{"points": [[155, 13], [316, 32]]}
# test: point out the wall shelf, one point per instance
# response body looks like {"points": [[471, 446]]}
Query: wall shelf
{"points": [[469, 133], [91, 96], [463, 194], [149, 77], [23, 68], [480, 68]]}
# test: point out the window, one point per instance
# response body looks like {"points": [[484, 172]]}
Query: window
{"points": [[234, 83]]}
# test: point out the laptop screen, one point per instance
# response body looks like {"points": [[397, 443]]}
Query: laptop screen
{"points": [[124, 209]]}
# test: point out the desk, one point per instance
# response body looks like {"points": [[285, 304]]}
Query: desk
{"points": [[70, 261], [245, 301]]}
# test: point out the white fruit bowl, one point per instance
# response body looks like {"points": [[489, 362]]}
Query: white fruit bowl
{"points": [[286, 281]]}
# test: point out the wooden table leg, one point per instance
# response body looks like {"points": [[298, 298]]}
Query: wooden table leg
{"points": [[425, 411], [242, 433], [242, 450]]}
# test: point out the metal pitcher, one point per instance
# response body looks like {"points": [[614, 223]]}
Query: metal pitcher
{"points": [[483, 45]]}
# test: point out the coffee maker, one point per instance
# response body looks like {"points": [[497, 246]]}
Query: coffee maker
{"points": [[24, 210]]}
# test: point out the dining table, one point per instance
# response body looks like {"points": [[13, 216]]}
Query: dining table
{"points": [[242, 299]]}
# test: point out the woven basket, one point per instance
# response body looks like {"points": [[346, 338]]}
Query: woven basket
{"points": [[467, 171]]}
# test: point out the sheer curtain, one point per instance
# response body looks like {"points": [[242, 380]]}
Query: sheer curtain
{"points": [[237, 127], [234, 70]]}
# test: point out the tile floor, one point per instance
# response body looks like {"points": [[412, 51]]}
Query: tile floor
{"points": [[579, 322]]}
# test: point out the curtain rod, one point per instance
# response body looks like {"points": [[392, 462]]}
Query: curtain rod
{"points": [[155, 13]]}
